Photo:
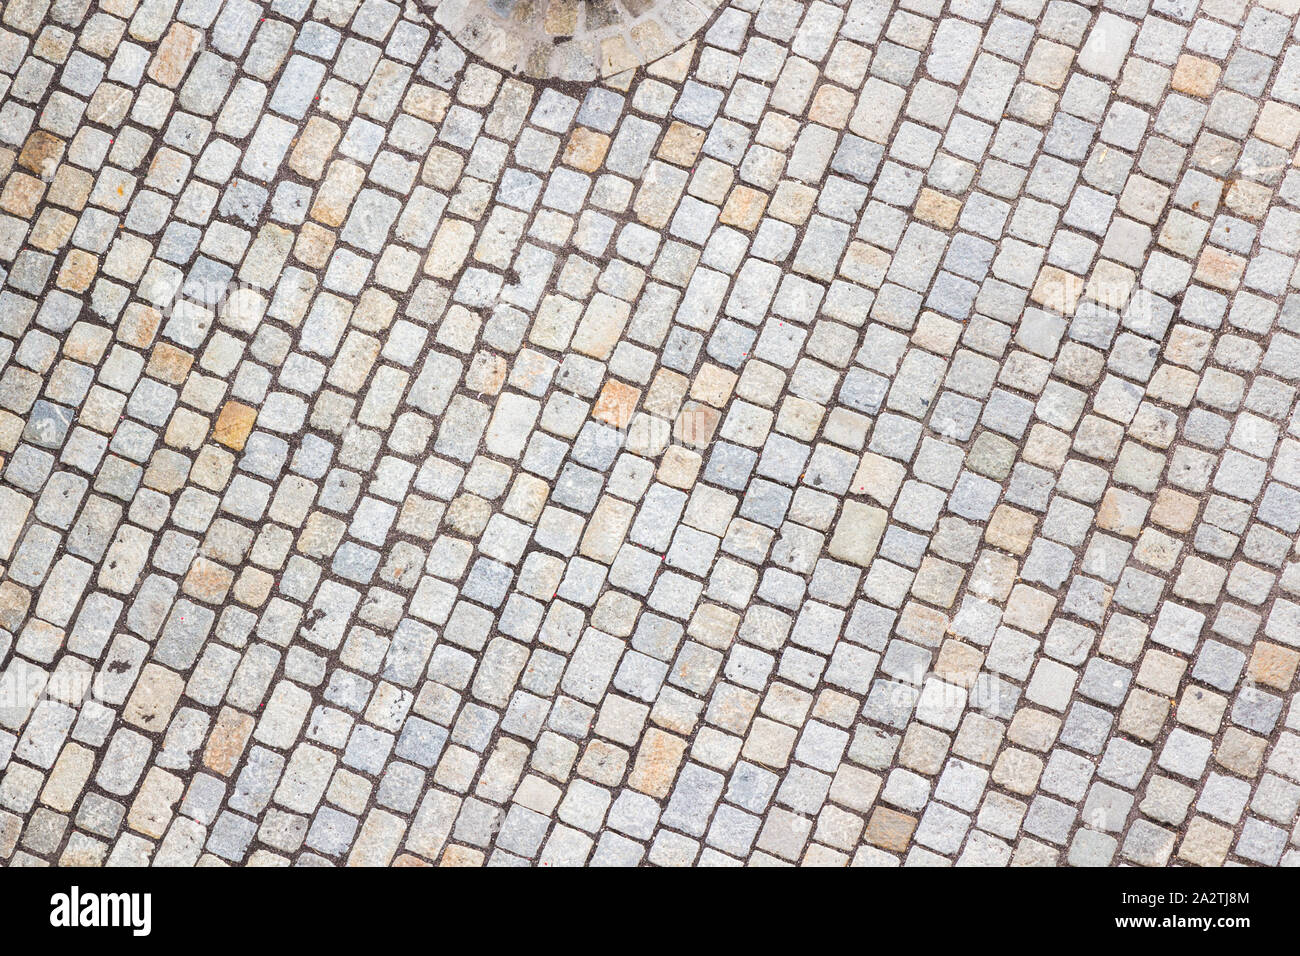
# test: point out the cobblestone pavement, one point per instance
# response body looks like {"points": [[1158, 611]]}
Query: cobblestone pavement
{"points": [[866, 435]]}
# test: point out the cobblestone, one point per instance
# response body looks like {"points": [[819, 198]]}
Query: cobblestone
{"points": [[806, 433]]}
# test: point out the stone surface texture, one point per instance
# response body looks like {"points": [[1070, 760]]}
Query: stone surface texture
{"points": [[816, 433], [574, 40]]}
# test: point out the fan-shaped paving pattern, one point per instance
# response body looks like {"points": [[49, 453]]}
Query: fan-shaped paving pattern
{"points": [[578, 40]]}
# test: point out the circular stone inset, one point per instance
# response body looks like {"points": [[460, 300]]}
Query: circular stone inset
{"points": [[581, 40]]}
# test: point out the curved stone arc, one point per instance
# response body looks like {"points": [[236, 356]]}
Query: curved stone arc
{"points": [[571, 40]]}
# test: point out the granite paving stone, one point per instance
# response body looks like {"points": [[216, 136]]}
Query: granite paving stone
{"points": [[743, 432]]}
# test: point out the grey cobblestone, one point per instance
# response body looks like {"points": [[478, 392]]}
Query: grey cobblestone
{"points": [[810, 433]]}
